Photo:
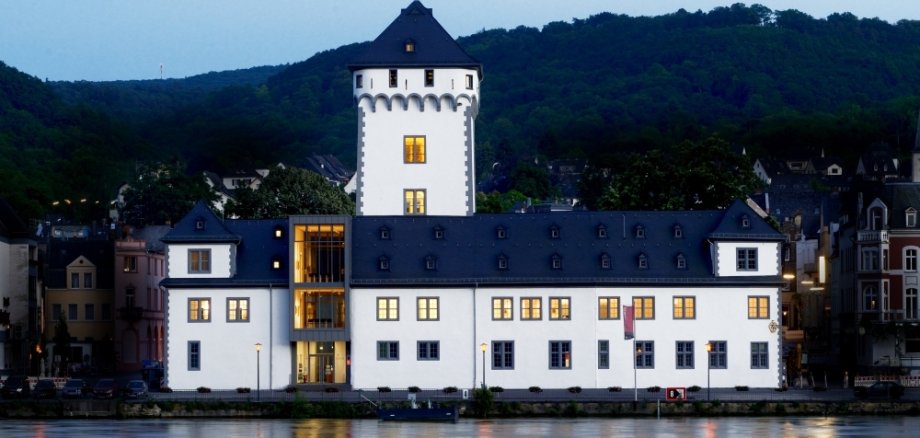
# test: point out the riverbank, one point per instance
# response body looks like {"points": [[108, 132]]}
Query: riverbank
{"points": [[299, 408]]}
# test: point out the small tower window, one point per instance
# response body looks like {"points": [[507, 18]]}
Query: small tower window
{"points": [[640, 232], [384, 233], [681, 262], [439, 233], [199, 223], [383, 263], [643, 261], [745, 222], [429, 78], [678, 232], [556, 261], [554, 232], [605, 261], [601, 231], [278, 232], [410, 46], [501, 233], [469, 82], [394, 79], [502, 262], [359, 81]]}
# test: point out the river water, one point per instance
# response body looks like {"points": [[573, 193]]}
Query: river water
{"points": [[759, 427]]}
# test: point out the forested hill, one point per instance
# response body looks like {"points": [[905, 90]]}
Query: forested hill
{"points": [[776, 82]]}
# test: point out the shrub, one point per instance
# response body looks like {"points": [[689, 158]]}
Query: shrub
{"points": [[694, 388], [614, 388], [243, 390], [482, 402], [414, 389], [535, 389], [383, 389], [741, 388], [496, 389], [574, 389], [450, 389], [654, 389], [203, 389]]}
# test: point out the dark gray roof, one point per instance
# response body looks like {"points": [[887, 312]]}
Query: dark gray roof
{"points": [[61, 253], [900, 197], [434, 47], [471, 248], [256, 248]]}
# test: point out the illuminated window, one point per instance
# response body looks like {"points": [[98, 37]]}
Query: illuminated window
{"points": [[560, 308], [130, 264], [414, 202], [414, 149], [429, 78], [199, 261], [502, 308], [644, 307], [199, 309], [427, 308], [410, 46], [758, 307], [387, 309], [684, 307], [608, 308], [531, 308], [237, 309]]}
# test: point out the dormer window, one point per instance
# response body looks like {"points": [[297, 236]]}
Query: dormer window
{"points": [[601, 231], [383, 263], [678, 232], [502, 262], [556, 261], [554, 232], [605, 261], [501, 233], [199, 223], [439, 233], [643, 261], [431, 263], [384, 233], [745, 222], [278, 232], [409, 46], [681, 262], [276, 263], [640, 232], [910, 218]]}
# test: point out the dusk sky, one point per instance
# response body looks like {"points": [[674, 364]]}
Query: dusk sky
{"points": [[102, 40]]}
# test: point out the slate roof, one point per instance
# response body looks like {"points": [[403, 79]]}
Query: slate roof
{"points": [[470, 248], [434, 47], [61, 253], [256, 248], [899, 197]]}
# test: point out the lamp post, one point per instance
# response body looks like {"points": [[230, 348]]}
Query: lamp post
{"points": [[258, 373], [708, 369], [482, 347]]}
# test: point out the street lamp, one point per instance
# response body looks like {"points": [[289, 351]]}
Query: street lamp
{"points": [[258, 374], [708, 368], [638, 351], [482, 347]]}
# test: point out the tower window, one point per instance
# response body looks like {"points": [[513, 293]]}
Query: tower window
{"points": [[469, 82], [414, 201], [429, 78], [410, 46], [414, 149], [359, 81], [394, 79]]}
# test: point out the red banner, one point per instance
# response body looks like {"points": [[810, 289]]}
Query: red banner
{"points": [[629, 322]]}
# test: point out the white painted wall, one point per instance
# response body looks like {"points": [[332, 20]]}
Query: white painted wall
{"points": [[727, 258], [460, 335], [228, 354], [222, 256]]}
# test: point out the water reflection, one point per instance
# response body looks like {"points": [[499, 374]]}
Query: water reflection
{"points": [[626, 427]]}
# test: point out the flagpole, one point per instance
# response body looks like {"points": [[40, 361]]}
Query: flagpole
{"points": [[635, 358]]}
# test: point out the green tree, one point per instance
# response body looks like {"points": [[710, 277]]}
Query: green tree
{"points": [[691, 176], [163, 193], [287, 191], [496, 202]]}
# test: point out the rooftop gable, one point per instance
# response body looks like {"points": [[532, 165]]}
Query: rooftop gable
{"points": [[201, 225]]}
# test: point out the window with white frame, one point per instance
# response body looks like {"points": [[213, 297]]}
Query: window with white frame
{"points": [[870, 297], [910, 259], [870, 259], [910, 303], [910, 218], [560, 355]]}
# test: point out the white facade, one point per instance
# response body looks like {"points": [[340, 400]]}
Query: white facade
{"points": [[727, 253], [466, 321], [222, 260], [443, 114]]}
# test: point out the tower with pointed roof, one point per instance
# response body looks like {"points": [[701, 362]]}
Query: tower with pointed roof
{"points": [[417, 96]]}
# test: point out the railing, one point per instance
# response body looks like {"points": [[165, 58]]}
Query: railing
{"points": [[865, 236]]}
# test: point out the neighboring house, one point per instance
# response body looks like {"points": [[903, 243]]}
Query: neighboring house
{"points": [[79, 288], [20, 297], [140, 266], [878, 164], [329, 167], [244, 178]]}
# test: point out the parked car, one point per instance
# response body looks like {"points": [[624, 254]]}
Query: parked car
{"points": [[44, 388], [883, 389], [105, 388], [136, 389], [16, 387], [75, 388]]}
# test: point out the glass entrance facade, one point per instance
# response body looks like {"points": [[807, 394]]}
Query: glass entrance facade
{"points": [[321, 362]]}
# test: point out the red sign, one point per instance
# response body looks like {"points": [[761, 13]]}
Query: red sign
{"points": [[674, 394]]}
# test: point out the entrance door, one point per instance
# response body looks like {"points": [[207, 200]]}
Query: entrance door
{"points": [[322, 363]]}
